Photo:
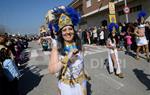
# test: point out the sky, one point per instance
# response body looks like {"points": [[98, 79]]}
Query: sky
{"points": [[26, 16]]}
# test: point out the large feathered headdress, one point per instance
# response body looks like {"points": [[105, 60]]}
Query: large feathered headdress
{"points": [[112, 25], [141, 14], [61, 16]]}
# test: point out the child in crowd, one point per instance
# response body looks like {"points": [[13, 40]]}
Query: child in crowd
{"points": [[128, 42]]}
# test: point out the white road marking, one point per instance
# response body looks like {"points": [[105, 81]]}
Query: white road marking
{"points": [[32, 67], [37, 70], [89, 50], [117, 85], [34, 53], [44, 72]]}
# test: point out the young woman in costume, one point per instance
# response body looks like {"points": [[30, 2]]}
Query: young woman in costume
{"points": [[113, 59], [66, 55], [141, 40]]}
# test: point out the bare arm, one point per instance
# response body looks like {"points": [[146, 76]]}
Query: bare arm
{"points": [[136, 31], [55, 64], [108, 45]]}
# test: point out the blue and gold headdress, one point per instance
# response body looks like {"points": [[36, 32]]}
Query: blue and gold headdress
{"points": [[64, 20], [113, 25], [141, 14], [62, 16]]}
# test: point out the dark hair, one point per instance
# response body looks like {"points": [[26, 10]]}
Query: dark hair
{"points": [[111, 37], [140, 21], [4, 54], [61, 44], [3, 39], [131, 27]]}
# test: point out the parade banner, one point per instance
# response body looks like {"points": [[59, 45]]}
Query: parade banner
{"points": [[111, 8], [112, 18]]}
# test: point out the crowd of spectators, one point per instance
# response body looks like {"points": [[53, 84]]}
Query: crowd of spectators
{"points": [[11, 47], [98, 35]]}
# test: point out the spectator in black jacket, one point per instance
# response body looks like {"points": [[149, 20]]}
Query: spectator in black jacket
{"points": [[147, 32]]}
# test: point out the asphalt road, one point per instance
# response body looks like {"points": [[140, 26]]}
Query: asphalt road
{"points": [[36, 79]]}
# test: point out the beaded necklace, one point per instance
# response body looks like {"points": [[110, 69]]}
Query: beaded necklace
{"points": [[68, 48]]}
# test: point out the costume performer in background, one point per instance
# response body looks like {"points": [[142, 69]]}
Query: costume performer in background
{"points": [[113, 59], [66, 55], [141, 40]]}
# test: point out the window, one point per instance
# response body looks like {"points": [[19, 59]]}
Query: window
{"points": [[88, 3], [139, 8], [132, 10], [136, 8], [120, 12]]}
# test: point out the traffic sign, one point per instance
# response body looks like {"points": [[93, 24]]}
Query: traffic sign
{"points": [[126, 9]]}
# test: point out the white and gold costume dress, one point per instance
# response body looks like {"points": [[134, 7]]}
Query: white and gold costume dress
{"points": [[113, 51], [73, 81], [140, 41]]}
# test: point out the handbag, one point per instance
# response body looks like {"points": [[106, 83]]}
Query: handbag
{"points": [[10, 69]]}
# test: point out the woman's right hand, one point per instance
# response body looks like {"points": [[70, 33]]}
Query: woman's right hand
{"points": [[110, 46]]}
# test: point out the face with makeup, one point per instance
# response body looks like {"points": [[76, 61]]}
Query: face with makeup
{"points": [[142, 20], [68, 33], [113, 34], [114, 31]]}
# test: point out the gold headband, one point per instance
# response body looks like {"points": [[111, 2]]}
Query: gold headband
{"points": [[64, 20]]}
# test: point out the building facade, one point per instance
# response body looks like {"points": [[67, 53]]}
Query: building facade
{"points": [[94, 12]]}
